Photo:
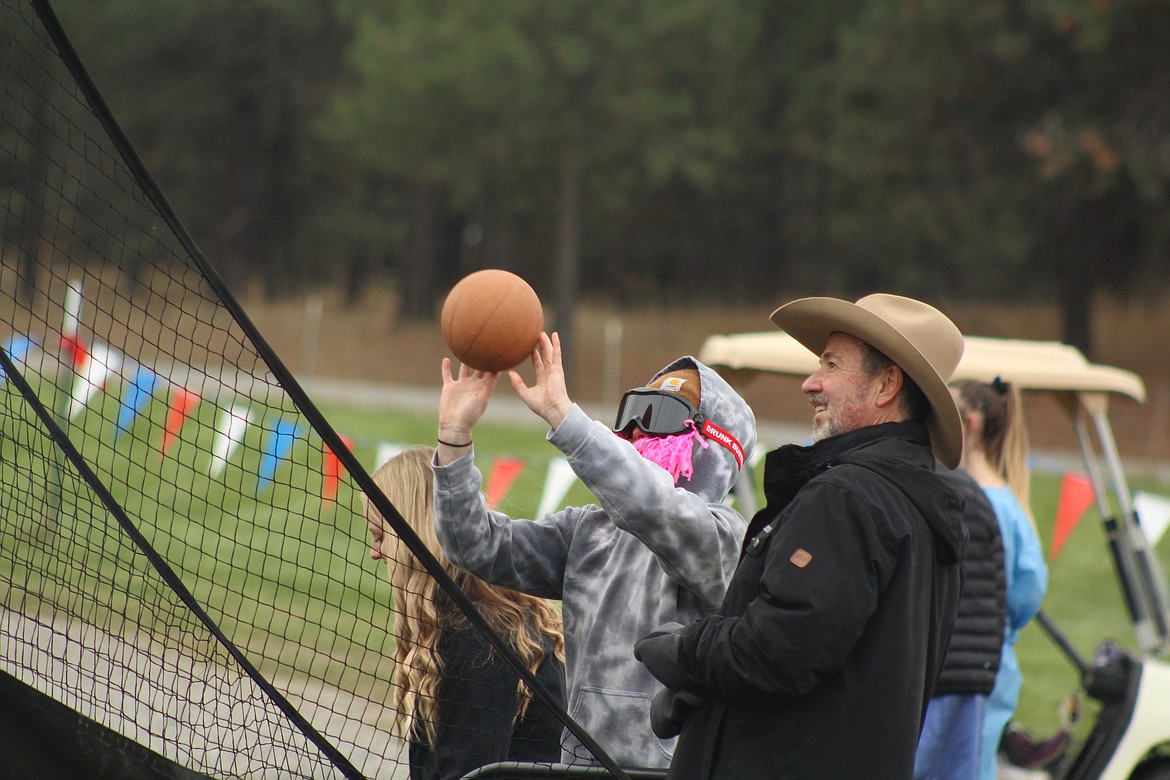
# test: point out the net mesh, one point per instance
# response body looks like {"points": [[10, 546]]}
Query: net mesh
{"points": [[182, 549]]}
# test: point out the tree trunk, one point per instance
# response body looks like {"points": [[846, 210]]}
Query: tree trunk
{"points": [[567, 267], [32, 212], [418, 283], [1076, 311]]}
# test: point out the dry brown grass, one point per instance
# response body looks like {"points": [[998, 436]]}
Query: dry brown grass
{"points": [[367, 343]]}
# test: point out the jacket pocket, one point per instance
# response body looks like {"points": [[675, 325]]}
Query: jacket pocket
{"points": [[620, 722]]}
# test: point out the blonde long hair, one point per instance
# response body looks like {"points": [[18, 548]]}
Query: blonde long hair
{"points": [[424, 610], [1005, 437]]}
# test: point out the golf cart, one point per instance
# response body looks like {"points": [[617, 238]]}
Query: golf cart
{"points": [[1131, 736]]}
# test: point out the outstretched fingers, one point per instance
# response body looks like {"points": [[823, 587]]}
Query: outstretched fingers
{"points": [[547, 397], [464, 396]]}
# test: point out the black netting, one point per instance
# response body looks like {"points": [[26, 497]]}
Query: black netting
{"points": [[177, 560]]}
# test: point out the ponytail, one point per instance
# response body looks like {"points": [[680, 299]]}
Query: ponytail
{"points": [[1004, 437], [1014, 456]]}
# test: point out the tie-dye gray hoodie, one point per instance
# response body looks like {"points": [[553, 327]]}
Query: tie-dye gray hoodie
{"points": [[648, 553]]}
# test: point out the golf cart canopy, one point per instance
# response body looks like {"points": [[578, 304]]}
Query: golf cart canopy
{"points": [[1030, 365]]}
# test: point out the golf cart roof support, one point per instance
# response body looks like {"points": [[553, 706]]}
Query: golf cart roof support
{"points": [[1117, 533], [1141, 565]]}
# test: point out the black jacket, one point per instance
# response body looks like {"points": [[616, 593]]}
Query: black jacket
{"points": [[477, 711], [835, 625], [977, 640]]}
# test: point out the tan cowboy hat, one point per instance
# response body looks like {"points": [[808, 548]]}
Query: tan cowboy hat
{"points": [[916, 336]]}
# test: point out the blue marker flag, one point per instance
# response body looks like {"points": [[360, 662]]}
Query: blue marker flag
{"points": [[17, 349], [135, 397], [277, 446]]}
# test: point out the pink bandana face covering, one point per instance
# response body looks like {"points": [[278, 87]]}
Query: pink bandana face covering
{"points": [[673, 453]]}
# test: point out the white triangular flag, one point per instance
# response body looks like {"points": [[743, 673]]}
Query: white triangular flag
{"points": [[557, 481], [386, 450], [229, 432], [92, 378], [1153, 512]]}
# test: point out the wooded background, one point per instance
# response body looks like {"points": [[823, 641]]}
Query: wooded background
{"points": [[664, 151]]}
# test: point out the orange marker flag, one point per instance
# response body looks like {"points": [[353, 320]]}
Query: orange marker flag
{"points": [[183, 402], [503, 474], [331, 469], [1076, 496], [74, 346]]}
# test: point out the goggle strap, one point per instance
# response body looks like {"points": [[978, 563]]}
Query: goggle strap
{"points": [[722, 437]]}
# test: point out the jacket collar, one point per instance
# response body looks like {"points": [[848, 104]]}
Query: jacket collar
{"points": [[788, 468]]}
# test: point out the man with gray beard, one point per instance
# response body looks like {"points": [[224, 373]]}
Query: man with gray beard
{"points": [[827, 646]]}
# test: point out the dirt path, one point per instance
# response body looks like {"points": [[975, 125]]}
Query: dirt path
{"points": [[208, 717]]}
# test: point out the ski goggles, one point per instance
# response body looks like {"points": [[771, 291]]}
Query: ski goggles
{"points": [[656, 412], [662, 413]]}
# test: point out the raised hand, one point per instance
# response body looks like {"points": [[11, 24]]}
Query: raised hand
{"points": [[547, 397], [462, 401]]}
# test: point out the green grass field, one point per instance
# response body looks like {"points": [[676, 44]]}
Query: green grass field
{"points": [[288, 576]]}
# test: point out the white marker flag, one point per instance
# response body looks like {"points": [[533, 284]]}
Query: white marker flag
{"points": [[386, 450], [1154, 513], [92, 377], [557, 482], [229, 432]]}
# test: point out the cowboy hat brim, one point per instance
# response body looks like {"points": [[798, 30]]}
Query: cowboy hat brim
{"points": [[892, 326]]}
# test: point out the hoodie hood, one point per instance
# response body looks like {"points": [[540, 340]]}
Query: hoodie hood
{"points": [[716, 468], [934, 498]]}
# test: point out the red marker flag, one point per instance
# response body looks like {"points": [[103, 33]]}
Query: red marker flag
{"points": [[1076, 496], [331, 469], [503, 474], [183, 402], [74, 346]]}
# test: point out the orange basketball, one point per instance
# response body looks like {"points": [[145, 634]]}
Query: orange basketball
{"points": [[491, 320]]}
